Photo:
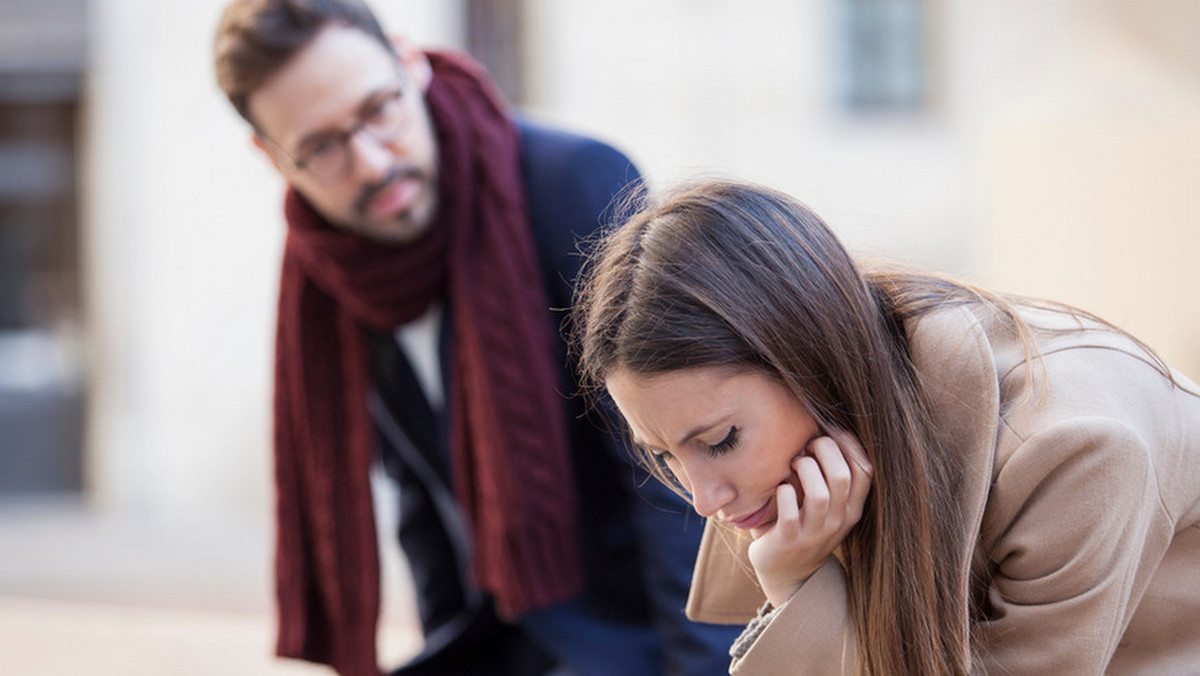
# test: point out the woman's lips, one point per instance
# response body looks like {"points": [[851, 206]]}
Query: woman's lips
{"points": [[751, 520]]}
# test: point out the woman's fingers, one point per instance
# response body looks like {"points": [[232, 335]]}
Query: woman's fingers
{"points": [[861, 472], [834, 477], [816, 492], [846, 477], [782, 556], [834, 466], [788, 509], [853, 450]]}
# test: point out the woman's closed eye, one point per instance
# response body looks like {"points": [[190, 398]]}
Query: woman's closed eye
{"points": [[725, 445]]}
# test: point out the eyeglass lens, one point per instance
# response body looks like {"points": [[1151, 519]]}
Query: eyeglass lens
{"points": [[383, 121]]}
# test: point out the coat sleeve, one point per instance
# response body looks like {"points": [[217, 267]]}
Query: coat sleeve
{"points": [[810, 634], [1073, 530]]}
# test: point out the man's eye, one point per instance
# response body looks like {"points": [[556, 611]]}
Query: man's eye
{"points": [[377, 111], [323, 147], [381, 109]]}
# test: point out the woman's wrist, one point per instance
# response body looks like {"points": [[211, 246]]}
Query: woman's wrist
{"points": [[779, 594]]}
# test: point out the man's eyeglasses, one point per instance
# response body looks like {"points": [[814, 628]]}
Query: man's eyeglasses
{"points": [[328, 156]]}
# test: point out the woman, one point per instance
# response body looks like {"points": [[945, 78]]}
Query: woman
{"points": [[901, 473]]}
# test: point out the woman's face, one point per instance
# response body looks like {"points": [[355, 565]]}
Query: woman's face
{"points": [[728, 436]]}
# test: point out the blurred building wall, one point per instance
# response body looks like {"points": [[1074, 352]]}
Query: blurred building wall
{"points": [[1090, 178], [749, 89], [1054, 155], [1050, 125]]}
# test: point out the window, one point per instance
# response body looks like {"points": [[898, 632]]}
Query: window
{"points": [[881, 60], [41, 390]]}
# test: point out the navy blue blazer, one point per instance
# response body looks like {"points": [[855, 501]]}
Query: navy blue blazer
{"points": [[638, 540]]}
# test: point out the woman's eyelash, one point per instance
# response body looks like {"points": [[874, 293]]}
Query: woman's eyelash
{"points": [[727, 444]]}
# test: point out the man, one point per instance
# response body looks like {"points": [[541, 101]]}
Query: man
{"points": [[423, 220]]}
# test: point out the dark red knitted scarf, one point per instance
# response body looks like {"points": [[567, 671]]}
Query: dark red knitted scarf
{"points": [[508, 437]]}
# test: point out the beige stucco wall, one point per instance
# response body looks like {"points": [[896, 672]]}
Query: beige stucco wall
{"points": [[1091, 191]]}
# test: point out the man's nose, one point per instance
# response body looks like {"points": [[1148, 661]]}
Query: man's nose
{"points": [[372, 158]]}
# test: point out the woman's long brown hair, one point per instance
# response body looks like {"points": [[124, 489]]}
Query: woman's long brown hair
{"points": [[730, 274]]}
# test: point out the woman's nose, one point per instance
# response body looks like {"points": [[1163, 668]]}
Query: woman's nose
{"points": [[709, 493]]}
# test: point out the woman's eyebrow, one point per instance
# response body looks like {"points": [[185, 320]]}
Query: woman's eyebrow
{"points": [[698, 430], [692, 434]]}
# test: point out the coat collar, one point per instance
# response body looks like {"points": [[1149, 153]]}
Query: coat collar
{"points": [[956, 368]]}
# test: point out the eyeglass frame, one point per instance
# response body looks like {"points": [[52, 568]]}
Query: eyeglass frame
{"points": [[343, 137]]}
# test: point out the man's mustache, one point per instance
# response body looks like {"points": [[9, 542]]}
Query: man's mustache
{"points": [[369, 192]]}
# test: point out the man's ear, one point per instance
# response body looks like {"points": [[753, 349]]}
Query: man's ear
{"points": [[414, 61], [258, 143]]}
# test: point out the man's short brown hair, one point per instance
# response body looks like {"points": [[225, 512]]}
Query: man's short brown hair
{"points": [[257, 37]]}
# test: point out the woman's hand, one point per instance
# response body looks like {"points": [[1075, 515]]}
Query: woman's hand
{"points": [[834, 476]]}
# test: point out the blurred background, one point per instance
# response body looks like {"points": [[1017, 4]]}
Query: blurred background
{"points": [[1047, 147]]}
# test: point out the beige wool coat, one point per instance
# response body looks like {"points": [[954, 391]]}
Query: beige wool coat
{"points": [[1082, 501]]}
